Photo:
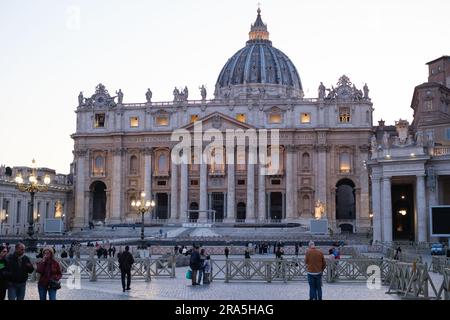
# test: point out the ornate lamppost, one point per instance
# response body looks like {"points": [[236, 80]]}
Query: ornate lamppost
{"points": [[143, 206], [32, 187]]}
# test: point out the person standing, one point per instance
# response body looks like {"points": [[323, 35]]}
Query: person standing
{"points": [[201, 271], [126, 261], [227, 252], [315, 263], [4, 274], [207, 266], [195, 264], [50, 272], [19, 266]]}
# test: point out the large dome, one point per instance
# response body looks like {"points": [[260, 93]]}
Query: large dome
{"points": [[259, 63]]}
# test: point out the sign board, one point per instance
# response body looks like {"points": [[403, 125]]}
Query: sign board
{"points": [[53, 226], [319, 226], [440, 221]]}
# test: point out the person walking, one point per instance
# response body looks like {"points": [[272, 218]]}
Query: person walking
{"points": [[227, 252], [126, 261], [4, 273], [50, 274], [195, 265], [207, 267], [19, 266], [315, 264], [201, 271]]}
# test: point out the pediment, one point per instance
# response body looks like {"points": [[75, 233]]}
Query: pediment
{"points": [[219, 121]]}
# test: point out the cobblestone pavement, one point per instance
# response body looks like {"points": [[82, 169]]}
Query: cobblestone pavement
{"points": [[180, 289]]}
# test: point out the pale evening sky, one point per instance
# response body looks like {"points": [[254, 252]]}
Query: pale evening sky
{"points": [[52, 50]]}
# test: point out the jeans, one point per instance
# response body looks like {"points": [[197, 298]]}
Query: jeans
{"points": [[315, 286], [194, 276], [16, 291], [200, 276], [124, 273], [43, 293]]}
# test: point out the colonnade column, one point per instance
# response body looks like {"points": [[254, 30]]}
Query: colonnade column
{"points": [[376, 209], [421, 209], [387, 210]]}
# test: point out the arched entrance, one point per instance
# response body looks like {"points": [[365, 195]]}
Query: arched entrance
{"points": [[98, 197], [403, 211], [276, 206], [241, 211], [193, 216], [345, 200]]}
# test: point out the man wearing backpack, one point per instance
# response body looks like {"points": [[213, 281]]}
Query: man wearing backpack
{"points": [[126, 261]]}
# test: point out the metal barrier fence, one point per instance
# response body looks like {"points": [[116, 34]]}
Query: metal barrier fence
{"points": [[93, 268], [444, 290], [291, 269], [438, 264]]}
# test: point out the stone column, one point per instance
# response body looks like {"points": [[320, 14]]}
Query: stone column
{"points": [[364, 219], [184, 177], [250, 207], [174, 191], [376, 208], [116, 188], [203, 191], [421, 209], [231, 194], [261, 193], [80, 187], [148, 174], [289, 176], [321, 183], [387, 210]]}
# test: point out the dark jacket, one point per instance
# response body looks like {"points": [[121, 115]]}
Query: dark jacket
{"points": [[4, 274], [18, 274], [49, 270], [195, 262], [126, 261]]}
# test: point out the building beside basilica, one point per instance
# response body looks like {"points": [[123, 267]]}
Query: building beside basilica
{"points": [[121, 149], [410, 164]]}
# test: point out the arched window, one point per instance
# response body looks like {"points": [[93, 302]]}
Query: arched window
{"points": [[344, 162], [306, 205], [133, 165], [305, 162]]}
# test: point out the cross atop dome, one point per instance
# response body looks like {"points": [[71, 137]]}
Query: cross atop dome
{"points": [[258, 30]]}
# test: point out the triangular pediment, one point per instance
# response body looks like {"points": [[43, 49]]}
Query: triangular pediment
{"points": [[219, 121]]}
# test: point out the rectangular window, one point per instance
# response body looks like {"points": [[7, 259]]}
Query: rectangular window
{"points": [[344, 162], [19, 204], [134, 122], [47, 210], [305, 118], [162, 121], [241, 182], [275, 118], [194, 117], [344, 115], [447, 133], [161, 183], [275, 181], [194, 182], [240, 117], [429, 105], [99, 120]]}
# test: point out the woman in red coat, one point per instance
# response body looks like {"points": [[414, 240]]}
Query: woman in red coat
{"points": [[50, 274]]}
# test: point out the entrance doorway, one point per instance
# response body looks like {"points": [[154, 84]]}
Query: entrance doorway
{"points": [[217, 203], [241, 212], [162, 206], [98, 196], [345, 200], [403, 212], [276, 206], [193, 216]]}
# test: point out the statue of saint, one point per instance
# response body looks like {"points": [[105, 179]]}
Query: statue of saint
{"points": [[419, 139], [186, 93], [366, 91], [176, 94], [148, 95], [322, 91], [119, 96], [203, 92], [80, 98], [373, 143], [319, 209]]}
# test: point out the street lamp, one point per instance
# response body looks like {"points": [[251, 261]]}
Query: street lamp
{"points": [[143, 206], [3, 218], [32, 186]]}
